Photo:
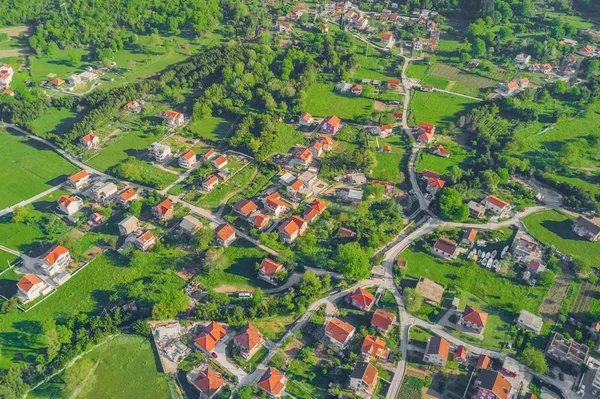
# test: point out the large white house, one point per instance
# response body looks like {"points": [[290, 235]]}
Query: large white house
{"points": [[30, 287], [55, 260]]}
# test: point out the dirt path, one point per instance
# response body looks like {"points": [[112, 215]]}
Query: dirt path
{"points": [[551, 304], [85, 380], [14, 52]]}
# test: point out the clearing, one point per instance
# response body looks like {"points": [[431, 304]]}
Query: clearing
{"points": [[441, 109]]}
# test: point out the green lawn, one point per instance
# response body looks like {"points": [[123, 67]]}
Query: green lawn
{"points": [[53, 120], [417, 70], [28, 168], [554, 227], [322, 101], [441, 109], [435, 81], [273, 327], [212, 128], [6, 259], [458, 157], [125, 367], [135, 143], [388, 165], [59, 63], [87, 292], [214, 199]]}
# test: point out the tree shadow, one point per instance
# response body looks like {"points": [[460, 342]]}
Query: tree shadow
{"points": [[8, 288], [561, 229]]}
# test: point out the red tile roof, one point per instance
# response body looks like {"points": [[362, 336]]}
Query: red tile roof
{"points": [[483, 361], [299, 221], [429, 173], [332, 121], [513, 84], [147, 236], [249, 337], [363, 297], [461, 353], [339, 330], [127, 194], [443, 150], [220, 160], [211, 180], [297, 185], [428, 127], [245, 206], [495, 382], [475, 316], [66, 200], [310, 214], [261, 220], [445, 245], [164, 207], [290, 227], [496, 201], [439, 346], [373, 345], [437, 183], [306, 116], [270, 267], [383, 319], [304, 154], [28, 281], [173, 114], [319, 205], [272, 381], [210, 336], [189, 154], [225, 231], [78, 176], [209, 381], [53, 253], [89, 137], [209, 153], [470, 235]]}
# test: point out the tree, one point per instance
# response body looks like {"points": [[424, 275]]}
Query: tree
{"points": [[413, 299], [535, 359], [19, 214], [310, 285], [75, 58], [547, 278], [490, 179], [215, 260], [581, 266], [204, 238], [451, 205], [479, 48], [352, 261], [9, 305], [135, 207]]}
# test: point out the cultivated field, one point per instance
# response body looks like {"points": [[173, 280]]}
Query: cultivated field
{"points": [[460, 81], [28, 168]]}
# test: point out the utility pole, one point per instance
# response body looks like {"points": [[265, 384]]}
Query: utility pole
{"points": [[63, 8]]}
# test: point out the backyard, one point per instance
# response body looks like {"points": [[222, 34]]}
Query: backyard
{"points": [[322, 101], [441, 109], [29, 168]]}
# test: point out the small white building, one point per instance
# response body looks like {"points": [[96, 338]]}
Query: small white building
{"points": [[69, 204], [160, 151], [30, 287]]}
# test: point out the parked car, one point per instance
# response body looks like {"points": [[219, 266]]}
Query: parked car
{"points": [[214, 354]]}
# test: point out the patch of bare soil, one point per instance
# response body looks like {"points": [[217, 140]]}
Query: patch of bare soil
{"points": [[230, 289]]}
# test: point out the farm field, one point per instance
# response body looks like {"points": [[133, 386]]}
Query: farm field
{"points": [[124, 367], [53, 120], [461, 82], [321, 100], [554, 227], [28, 168], [441, 109], [87, 292], [417, 70]]}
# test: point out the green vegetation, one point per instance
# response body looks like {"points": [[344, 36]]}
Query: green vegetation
{"points": [[555, 228], [135, 143], [28, 168], [274, 327], [211, 128], [458, 157], [441, 109], [411, 388], [53, 120], [221, 192], [321, 100], [123, 367]]}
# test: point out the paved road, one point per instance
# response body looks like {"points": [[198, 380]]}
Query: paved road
{"points": [[29, 200], [10, 250]]}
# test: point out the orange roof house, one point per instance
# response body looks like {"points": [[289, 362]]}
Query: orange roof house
{"points": [[211, 335], [128, 194], [164, 210], [82, 174], [54, 253], [270, 267], [245, 207], [261, 221], [382, 320], [225, 234], [28, 282], [339, 332], [492, 384], [249, 337], [427, 127], [374, 347], [57, 82], [272, 381], [461, 354], [474, 318], [362, 299], [483, 362], [209, 382]]}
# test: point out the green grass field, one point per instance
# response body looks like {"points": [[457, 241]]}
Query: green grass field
{"points": [[435, 81], [438, 108], [6, 259], [388, 165], [322, 101], [53, 120], [212, 128], [28, 168], [87, 292], [417, 70], [58, 63], [554, 227], [220, 193], [125, 367], [458, 157], [134, 143]]}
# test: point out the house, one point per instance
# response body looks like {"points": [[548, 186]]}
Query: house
{"points": [[103, 191], [567, 351], [476, 210], [362, 299], [261, 221], [468, 237], [245, 208], [524, 250], [546, 68], [134, 106], [393, 84], [283, 27], [351, 195], [190, 225], [292, 229], [496, 205], [529, 321], [432, 292], [402, 263], [208, 155], [533, 269], [386, 148], [225, 235], [210, 183], [306, 119], [398, 116], [89, 141], [339, 333], [356, 90], [586, 51], [364, 379], [569, 71], [210, 336], [74, 79], [219, 162], [427, 174], [331, 125], [427, 88], [302, 157], [269, 269], [188, 159], [126, 196], [316, 208], [425, 132], [30, 287], [287, 178], [6, 75], [433, 185], [96, 218], [145, 241], [344, 232], [441, 151], [317, 149], [274, 204], [522, 59], [308, 177], [509, 88], [473, 319], [8, 92], [492, 385], [129, 225], [273, 382], [385, 130], [460, 355], [324, 27], [374, 347], [88, 76], [326, 141], [383, 321], [57, 82], [295, 188], [55, 260], [164, 210], [445, 248], [174, 118], [483, 362], [208, 382], [248, 341], [69, 205], [437, 351], [587, 228], [160, 152]]}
